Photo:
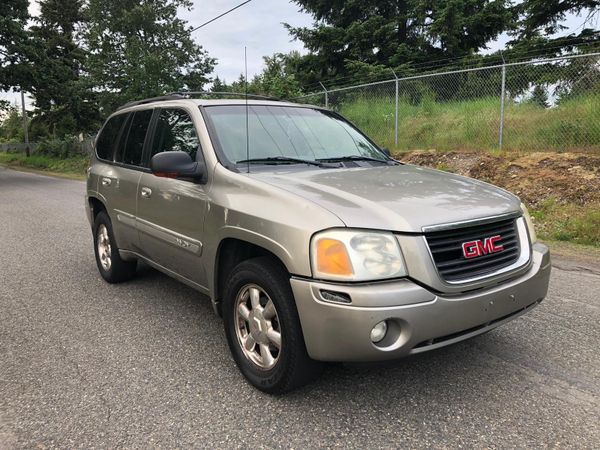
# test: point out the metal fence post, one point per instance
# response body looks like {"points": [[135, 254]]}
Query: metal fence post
{"points": [[396, 113], [326, 95], [502, 97]]}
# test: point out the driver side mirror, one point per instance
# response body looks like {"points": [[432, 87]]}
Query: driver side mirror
{"points": [[177, 165]]}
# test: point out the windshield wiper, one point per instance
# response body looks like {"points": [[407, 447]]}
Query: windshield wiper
{"points": [[286, 160], [358, 158]]}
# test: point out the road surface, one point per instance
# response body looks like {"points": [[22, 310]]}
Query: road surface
{"points": [[85, 364]]}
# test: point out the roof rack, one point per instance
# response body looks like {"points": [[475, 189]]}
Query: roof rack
{"points": [[192, 94]]}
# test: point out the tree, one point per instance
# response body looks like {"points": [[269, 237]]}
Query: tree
{"points": [[219, 85], [394, 32], [11, 126], [15, 48], [539, 96], [64, 102], [141, 49], [277, 78], [546, 16], [539, 21]]}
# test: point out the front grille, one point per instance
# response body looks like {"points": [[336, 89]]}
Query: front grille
{"points": [[452, 265]]}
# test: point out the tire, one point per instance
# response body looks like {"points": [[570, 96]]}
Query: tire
{"points": [[288, 366], [110, 265]]}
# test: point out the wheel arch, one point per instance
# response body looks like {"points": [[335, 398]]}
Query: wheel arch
{"points": [[96, 205], [233, 250]]}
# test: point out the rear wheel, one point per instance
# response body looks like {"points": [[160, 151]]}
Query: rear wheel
{"points": [[263, 329], [110, 265]]}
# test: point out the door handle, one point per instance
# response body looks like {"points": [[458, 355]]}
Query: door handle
{"points": [[146, 192], [106, 181]]}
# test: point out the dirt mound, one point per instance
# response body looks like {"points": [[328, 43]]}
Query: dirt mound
{"points": [[572, 178]]}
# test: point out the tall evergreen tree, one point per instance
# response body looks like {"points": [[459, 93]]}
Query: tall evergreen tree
{"points": [[547, 16], [140, 48], [541, 20], [394, 32], [64, 102], [15, 46]]}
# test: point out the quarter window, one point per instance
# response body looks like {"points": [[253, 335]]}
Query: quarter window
{"points": [[175, 132], [134, 147]]}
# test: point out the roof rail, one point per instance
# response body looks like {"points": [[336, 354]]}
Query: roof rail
{"points": [[162, 98], [192, 94]]}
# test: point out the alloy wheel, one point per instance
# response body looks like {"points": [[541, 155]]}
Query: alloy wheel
{"points": [[257, 327], [104, 248]]}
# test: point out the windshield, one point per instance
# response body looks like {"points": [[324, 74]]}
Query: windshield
{"points": [[284, 131]]}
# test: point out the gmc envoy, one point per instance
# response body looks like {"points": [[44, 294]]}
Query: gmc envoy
{"points": [[311, 242]]}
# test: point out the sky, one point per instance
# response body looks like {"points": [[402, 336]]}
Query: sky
{"points": [[256, 25]]}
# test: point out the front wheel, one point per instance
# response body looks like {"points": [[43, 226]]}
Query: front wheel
{"points": [[263, 329]]}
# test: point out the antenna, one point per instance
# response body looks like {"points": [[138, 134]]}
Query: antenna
{"points": [[246, 99]]}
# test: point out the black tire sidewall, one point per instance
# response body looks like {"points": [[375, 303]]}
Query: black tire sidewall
{"points": [[270, 278]]}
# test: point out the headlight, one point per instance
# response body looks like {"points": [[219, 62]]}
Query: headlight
{"points": [[529, 223], [355, 255]]}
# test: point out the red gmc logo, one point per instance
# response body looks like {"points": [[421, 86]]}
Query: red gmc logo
{"points": [[480, 247]]}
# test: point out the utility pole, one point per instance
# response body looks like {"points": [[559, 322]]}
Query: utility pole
{"points": [[25, 130]]}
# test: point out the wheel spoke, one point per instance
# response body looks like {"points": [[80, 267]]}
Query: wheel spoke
{"points": [[275, 337], [269, 311], [244, 311], [249, 343], [266, 356], [254, 297]]}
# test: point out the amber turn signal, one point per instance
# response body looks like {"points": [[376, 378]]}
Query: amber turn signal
{"points": [[332, 258]]}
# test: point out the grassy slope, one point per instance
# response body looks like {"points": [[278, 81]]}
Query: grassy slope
{"points": [[474, 124], [568, 223]]}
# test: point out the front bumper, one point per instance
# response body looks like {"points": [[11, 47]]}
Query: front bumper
{"points": [[418, 320]]}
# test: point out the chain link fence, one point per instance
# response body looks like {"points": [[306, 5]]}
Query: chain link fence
{"points": [[545, 104]]}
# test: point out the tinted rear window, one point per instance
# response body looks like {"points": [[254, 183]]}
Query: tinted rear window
{"points": [[108, 136], [135, 139]]}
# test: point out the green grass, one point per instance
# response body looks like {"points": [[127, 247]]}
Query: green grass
{"points": [[567, 222], [69, 166], [474, 124]]}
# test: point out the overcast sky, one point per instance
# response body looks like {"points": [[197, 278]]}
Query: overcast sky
{"points": [[257, 25]]}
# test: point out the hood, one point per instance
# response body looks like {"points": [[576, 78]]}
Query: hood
{"points": [[398, 198]]}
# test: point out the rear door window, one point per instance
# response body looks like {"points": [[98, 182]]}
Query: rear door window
{"points": [[175, 131], [133, 149], [105, 144]]}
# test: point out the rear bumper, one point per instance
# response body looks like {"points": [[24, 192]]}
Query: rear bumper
{"points": [[418, 320]]}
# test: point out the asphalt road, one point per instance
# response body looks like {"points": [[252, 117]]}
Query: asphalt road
{"points": [[145, 364]]}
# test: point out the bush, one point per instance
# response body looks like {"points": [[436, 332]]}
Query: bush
{"points": [[67, 147]]}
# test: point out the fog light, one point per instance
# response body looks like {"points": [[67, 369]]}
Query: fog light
{"points": [[378, 332]]}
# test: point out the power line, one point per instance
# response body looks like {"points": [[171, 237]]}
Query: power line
{"points": [[220, 15]]}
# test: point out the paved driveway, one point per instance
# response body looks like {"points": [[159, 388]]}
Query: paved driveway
{"points": [[87, 364]]}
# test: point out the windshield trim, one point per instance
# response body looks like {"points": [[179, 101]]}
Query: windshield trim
{"points": [[232, 165]]}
